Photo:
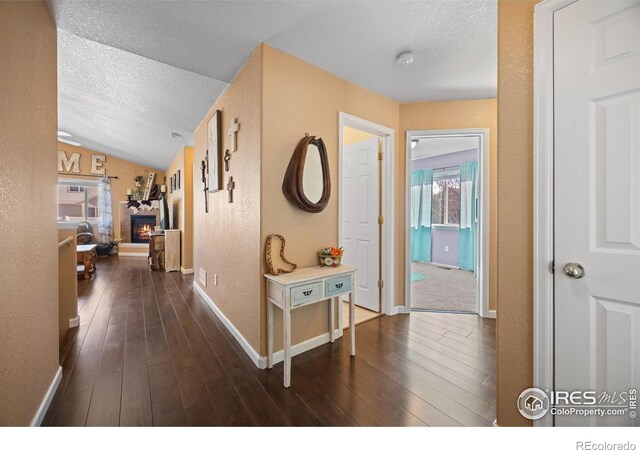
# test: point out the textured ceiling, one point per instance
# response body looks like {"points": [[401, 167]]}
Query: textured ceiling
{"points": [[126, 105], [435, 146], [454, 42]]}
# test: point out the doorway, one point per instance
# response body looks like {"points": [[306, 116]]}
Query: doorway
{"points": [[366, 212], [447, 221]]}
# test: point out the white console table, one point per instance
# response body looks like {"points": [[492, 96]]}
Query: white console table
{"points": [[301, 288]]}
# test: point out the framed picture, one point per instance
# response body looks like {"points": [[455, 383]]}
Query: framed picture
{"points": [[178, 179], [171, 184], [214, 145]]}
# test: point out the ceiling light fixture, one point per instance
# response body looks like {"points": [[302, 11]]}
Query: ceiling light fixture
{"points": [[68, 141], [63, 134], [414, 142], [405, 58], [175, 135]]}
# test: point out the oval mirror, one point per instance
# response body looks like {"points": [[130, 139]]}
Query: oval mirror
{"points": [[312, 175], [307, 183]]}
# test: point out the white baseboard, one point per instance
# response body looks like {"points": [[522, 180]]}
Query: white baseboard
{"points": [[259, 360], [301, 347], [400, 309], [490, 314], [46, 401], [186, 271], [137, 255], [446, 266], [253, 354], [74, 322]]}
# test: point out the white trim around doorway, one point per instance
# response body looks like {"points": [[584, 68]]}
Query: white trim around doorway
{"points": [[543, 309], [483, 227], [388, 206]]}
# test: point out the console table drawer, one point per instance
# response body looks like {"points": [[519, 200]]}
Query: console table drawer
{"points": [[306, 293], [338, 285]]}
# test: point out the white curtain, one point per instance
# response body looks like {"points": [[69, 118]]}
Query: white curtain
{"points": [[105, 211]]}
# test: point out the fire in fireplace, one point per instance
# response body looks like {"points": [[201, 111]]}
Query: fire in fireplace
{"points": [[141, 227]]}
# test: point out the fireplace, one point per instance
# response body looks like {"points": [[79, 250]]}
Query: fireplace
{"points": [[141, 227]]}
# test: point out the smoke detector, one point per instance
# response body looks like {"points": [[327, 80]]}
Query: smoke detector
{"points": [[404, 58]]}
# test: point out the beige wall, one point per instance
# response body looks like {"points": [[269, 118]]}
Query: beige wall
{"points": [[181, 202], [67, 282], [28, 161], [228, 237], [299, 98], [125, 171], [271, 96], [353, 136], [454, 115], [514, 356]]}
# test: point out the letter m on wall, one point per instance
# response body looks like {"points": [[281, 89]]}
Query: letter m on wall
{"points": [[68, 164]]}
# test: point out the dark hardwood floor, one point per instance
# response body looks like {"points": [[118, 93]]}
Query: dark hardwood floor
{"points": [[148, 351]]}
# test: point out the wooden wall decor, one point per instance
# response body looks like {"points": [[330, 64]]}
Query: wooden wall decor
{"points": [[292, 186], [97, 161], [150, 183], [270, 267], [231, 185], [214, 147], [205, 188], [233, 133]]}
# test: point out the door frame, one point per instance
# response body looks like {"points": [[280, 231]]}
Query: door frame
{"points": [[482, 301], [388, 205], [543, 199]]}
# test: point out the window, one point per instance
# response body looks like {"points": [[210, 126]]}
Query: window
{"points": [[78, 201], [446, 199]]}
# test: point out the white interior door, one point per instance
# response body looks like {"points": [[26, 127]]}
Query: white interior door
{"points": [[359, 204], [597, 200]]}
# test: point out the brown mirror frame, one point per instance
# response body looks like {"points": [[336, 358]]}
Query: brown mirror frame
{"points": [[292, 184]]}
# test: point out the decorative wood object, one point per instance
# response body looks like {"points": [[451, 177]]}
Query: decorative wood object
{"points": [[156, 250], [231, 185], [292, 186], [205, 188], [273, 270], [214, 147], [233, 133], [69, 165], [97, 161], [227, 158], [150, 182]]}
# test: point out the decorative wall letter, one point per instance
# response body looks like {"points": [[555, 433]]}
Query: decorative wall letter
{"points": [[68, 165], [96, 164]]}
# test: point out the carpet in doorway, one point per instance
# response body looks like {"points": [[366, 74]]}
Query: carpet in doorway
{"points": [[417, 276], [442, 289]]}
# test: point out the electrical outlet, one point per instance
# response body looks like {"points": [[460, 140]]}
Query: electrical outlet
{"points": [[215, 279], [446, 249], [202, 276]]}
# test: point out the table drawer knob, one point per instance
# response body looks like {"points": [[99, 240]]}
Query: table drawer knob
{"points": [[307, 293], [339, 285]]}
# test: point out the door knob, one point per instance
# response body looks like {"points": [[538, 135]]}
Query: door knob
{"points": [[573, 270]]}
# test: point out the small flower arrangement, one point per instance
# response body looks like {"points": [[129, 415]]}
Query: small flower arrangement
{"points": [[331, 256]]}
